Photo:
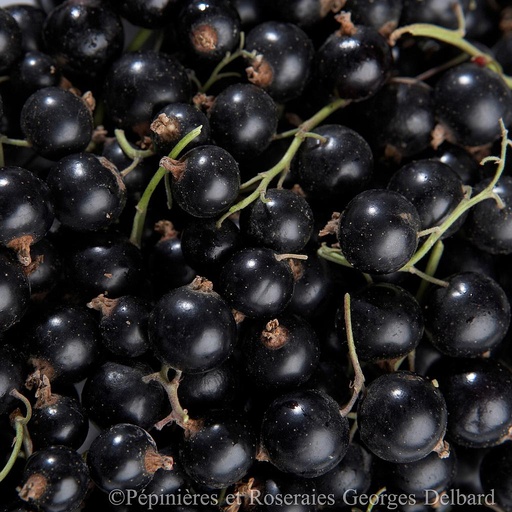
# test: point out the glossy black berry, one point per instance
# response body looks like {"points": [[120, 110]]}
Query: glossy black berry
{"points": [[26, 210], [304, 433], [30, 19], [58, 420], [378, 231], [207, 247], [423, 478], [469, 317], [488, 225], [123, 324], [283, 59], [399, 119], [192, 328], [478, 395], [124, 457], [387, 322], [355, 61], [348, 479], [433, 188], [149, 14], [334, 169], [84, 37], [88, 192], [55, 479], [63, 343], [256, 283], [390, 414], [469, 102], [116, 393], [201, 392], [10, 41], [384, 16], [205, 181], [139, 84], [107, 263], [168, 266], [209, 29], [35, 71], [56, 122], [243, 120], [284, 222], [220, 450], [173, 122], [15, 291], [280, 354]]}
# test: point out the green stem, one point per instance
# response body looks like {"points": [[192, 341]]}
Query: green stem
{"points": [[431, 268], [463, 206], [15, 142], [374, 501], [128, 149], [265, 178], [451, 37], [334, 255], [358, 383], [228, 58], [20, 423], [142, 206], [139, 40]]}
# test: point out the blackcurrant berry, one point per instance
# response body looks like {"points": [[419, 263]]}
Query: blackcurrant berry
{"points": [[304, 433], [192, 328], [256, 283], [402, 417], [55, 479], [378, 231]]}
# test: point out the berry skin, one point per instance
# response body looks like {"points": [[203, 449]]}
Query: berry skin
{"points": [[116, 393], [283, 224], [243, 120], [192, 328], [55, 479], [10, 41], [478, 395], [469, 102], [139, 84], [280, 354], [143, 13], [433, 188], [205, 181], [334, 170], [83, 37], [124, 457], [219, 451], [35, 71], [387, 322], [390, 414], [356, 63], [56, 122], [284, 54], [469, 317], [304, 433], [496, 475], [87, 191], [11, 377], [378, 231], [209, 29], [26, 210], [256, 284]]}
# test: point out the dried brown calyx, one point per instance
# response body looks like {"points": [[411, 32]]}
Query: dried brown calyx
{"points": [[153, 461], [347, 28], [167, 128], [275, 335], [175, 167], [204, 38], [260, 72], [103, 304], [201, 284], [165, 228], [34, 488], [21, 246]]}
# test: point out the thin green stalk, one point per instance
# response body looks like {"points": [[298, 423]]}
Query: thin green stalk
{"points": [[15, 142], [431, 268], [128, 149], [464, 205], [139, 40], [265, 178], [374, 499], [142, 206], [358, 383], [20, 423]]}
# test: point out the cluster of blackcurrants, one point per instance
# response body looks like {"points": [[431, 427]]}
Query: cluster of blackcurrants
{"points": [[314, 302]]}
